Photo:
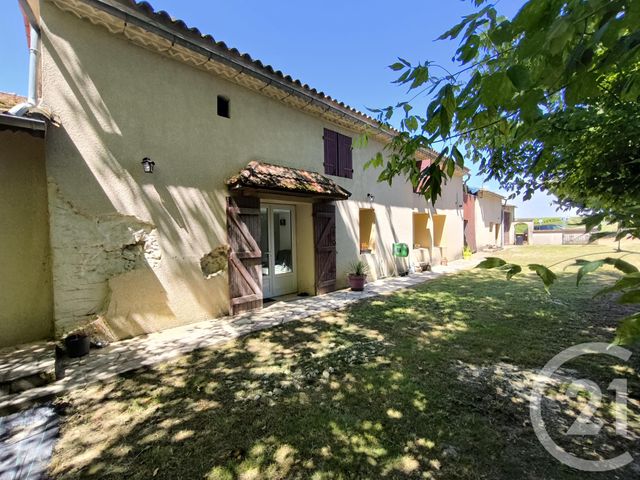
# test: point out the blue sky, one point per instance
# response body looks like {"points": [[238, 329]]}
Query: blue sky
{"points": [[340, 47]]}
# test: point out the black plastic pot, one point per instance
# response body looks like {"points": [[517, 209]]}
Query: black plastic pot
{"points": [[77, 345]]}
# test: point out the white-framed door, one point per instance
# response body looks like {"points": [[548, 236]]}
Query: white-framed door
{"points": [[278, 245]]}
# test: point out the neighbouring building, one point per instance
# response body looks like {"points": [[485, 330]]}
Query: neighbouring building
{"points": [[488, 219], [533, 233], [256, 190]]}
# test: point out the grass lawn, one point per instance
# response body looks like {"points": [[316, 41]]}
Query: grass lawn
{"points": [[428, 382]]}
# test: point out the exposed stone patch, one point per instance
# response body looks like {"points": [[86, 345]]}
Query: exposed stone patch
{"points": [[215, 262], [87, 250], [144, 251]]}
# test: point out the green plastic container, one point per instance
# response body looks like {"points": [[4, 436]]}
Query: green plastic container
{"points": [[400, 250]]}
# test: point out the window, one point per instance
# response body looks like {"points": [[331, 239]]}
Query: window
{"points": [[367, 230], [338, 159], [421, 232], [223, 107]]}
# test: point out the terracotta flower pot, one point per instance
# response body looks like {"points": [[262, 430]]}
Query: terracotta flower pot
{"points": [[356, 282]]}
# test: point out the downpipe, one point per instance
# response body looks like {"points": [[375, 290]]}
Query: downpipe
{"points": [[32, 93]]}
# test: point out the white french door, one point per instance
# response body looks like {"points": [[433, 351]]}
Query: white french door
{"points": [[278, 245]]}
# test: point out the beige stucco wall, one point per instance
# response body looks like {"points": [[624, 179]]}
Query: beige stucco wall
{"points": [[26, 305], [546, 238], [118, 103], [511, 234], [488, 213]]}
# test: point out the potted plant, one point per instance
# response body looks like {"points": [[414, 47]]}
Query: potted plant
{"points": [[358, 275], [77, 344], [466, 253]]}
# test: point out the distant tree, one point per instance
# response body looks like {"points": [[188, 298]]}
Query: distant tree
{"points": [[547, 100]]}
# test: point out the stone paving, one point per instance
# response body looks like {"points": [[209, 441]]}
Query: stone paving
{"points": [[157, 347], [27, 439]]}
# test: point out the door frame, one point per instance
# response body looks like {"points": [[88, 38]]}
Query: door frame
{"points": [[270, 287]]}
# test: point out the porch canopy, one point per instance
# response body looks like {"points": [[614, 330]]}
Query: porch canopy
{"points": [[264, 177]]}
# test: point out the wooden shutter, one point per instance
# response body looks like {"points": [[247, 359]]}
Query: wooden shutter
{"points": [[245, 257], [324, 229], [345, 159], [330, 152]]}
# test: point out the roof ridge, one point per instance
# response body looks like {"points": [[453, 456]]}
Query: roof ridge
{"points": [[159, 22], [164, 17]]}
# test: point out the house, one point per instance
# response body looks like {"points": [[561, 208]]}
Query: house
{"points": [[175, 180], [488, 219]]}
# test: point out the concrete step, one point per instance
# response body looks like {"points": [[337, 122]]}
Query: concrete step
{"points": [[28, 366]]}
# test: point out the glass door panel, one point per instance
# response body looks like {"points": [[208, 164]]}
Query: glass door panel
{"points": [[282, 241]]}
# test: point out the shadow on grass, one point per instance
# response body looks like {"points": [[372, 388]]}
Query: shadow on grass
{"points": [[373, 391]]}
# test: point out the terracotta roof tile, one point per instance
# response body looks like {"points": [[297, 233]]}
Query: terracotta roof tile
{"points": [[8, 100], [265, 176]]}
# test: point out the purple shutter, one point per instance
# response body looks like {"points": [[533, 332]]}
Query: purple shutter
{"points": [[330, 152], [345, 159]]}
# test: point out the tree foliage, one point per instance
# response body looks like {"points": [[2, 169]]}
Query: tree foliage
{"points": [[544, 100]]}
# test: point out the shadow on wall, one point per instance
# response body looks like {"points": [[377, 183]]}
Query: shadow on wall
{"points": [[95, 170], [380, 260], [491, 214]]}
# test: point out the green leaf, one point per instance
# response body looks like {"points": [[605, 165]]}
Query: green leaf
{"points": [[519, 76], [457, 156], [404, 77], [594, 237], [547, 276], [502, 33], [453, 32], [559, 35], [376, 161], [451, 167], [631, 280], [592, 221], [445, 121], [619, 264], [448, 99], [420, 75], [632, 296], [628, 331], [491, 262], [496, 89], [469, 49], [587, 267], [512, 269], [396, 66], [583, 87], [411, 123]]}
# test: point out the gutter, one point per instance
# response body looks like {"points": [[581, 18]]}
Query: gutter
{"points": [[16, 123]]}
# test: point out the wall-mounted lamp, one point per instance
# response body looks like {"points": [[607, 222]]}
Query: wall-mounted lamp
{"points": [[148, 164], [370, 197]]}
